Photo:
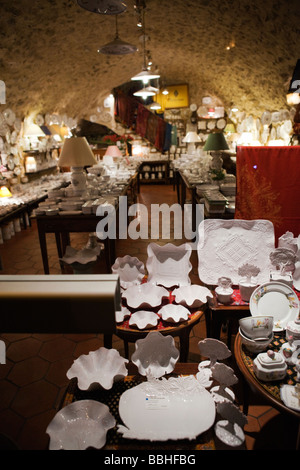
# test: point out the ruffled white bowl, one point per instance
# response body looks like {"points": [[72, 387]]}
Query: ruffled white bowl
{"points": [[80, 425], [130, 270], [122, 314], [155, 355], [192, 296], [145, 295], [98, 369], [143, 319], [174, 313]]}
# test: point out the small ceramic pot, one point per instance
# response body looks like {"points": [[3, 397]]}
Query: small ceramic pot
{"points": [[224, 296], [293, 329], [269, 366], [246, 289]]}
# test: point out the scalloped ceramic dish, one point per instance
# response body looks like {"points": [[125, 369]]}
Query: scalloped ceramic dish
{"points": [[225, 245], [80, 425], [192, 296], [143, 319], [169, 265], [155, 355], [122, 314], [275, 299], [174, 313], [99, 368], [145, 295], [177, 408], [130, 270]]}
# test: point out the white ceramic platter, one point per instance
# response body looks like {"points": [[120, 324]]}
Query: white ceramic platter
{"points": [[225, 245], [174, 313], [289, 397], [169, 265], [277, 300], [130, 270], [177, 408], [145, 295], [155, 355], [192, 296], [143, 319], [80, 425]]}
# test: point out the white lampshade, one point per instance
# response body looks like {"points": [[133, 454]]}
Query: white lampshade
{"points": [[145, 92], [76, 152], [191, 137], [32, 130], [113, 151], [145, 76]]}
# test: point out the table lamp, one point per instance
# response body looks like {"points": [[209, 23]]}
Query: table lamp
{"points": [[77, 154], [191, 139], [111, 152], [215, 143]]}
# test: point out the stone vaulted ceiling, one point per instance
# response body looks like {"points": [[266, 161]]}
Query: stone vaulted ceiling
{"points": [[50, 64]]}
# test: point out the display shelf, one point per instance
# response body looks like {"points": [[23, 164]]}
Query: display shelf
{"points": [[154, 171]]}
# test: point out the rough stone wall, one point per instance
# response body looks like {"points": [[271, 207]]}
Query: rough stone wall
{"points": [[50, 64]]}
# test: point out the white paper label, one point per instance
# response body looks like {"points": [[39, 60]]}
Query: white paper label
{"points": [[156, 403]]}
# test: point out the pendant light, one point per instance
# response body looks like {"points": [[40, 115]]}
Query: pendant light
{"points": [[145, 93], [117, 46], [103, 7], [145, 75]]}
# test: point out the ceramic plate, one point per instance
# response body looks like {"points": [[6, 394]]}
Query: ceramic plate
{"points": [[177, 408], [169, 265], [174, 313], [225, 245], [289, 397], [145, 295], [155, 355], [277, 300], [192, 296], [80, 425], [143, 319]]}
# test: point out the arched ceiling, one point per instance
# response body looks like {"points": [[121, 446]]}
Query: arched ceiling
{"points": [[49, 60]]}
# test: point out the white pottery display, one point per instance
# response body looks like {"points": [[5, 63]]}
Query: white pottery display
{"points": [[277, 300], [230, 430], [80, 425], [130, 270], [169, 265], [173, 313], [192, 296], [223, 245], [155, 355], [287, 350], [214, 349], [224, 291], [246, 290], [143, 319], [226, 378], [145, 295], [122, 314], [293, 329], [100, 368], [255, 345], [290, 395], [204, 376], [269, 366], [285, 278], [284, 259], [159, 410], [256, 327]]}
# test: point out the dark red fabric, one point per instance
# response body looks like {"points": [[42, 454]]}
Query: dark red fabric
{"points": [[125, 108], [268, 186], [142, 120]]}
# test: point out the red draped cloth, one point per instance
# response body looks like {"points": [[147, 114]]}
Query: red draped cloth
{"points": [[268, 186]]}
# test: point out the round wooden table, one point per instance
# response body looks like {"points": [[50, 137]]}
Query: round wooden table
{"points": [[181, 330]]}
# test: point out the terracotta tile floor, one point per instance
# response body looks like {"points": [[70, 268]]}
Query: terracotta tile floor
{"points": [[33, 380]]}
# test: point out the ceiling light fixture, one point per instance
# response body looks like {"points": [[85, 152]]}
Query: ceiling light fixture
{"points": [[117, 46], [145, 93], [145, 75], [293, 96], [103, 7]]}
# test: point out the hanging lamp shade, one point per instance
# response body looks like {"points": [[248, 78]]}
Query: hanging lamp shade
{"points": [[145, 75], [293, 95], [76, 152], [113, 151], [103, 7], [216, 141], [144, 93], [117, 46], [155, 105]]}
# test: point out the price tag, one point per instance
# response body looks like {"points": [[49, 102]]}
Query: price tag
{"points": [[156, 403]]}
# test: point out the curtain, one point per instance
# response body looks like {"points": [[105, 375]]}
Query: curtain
{"points": [[268, 186]]}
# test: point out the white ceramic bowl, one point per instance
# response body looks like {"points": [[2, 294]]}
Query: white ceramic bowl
{"points": [[257, 327], [80, 425], [192, 296], [143, 319], [253, 345], [98, 369], [145, 295], [130, 270], [174, 313], [155, 355]]}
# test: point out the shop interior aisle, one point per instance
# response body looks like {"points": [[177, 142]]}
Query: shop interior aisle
{"points": [[33, 380]]}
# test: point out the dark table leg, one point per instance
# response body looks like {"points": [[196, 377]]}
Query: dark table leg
{"points": [[43, 246]]}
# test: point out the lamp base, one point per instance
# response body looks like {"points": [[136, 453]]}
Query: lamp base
{"points": [[217, 161], [78, 178]]}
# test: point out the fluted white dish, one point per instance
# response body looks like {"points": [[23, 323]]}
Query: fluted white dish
{"points": [[155, 355], [145, 295], [143, 319], [192, 296], [100, 368], [174, 313], [169, 265], [130, 270], [80, 425], [122, 314]]}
